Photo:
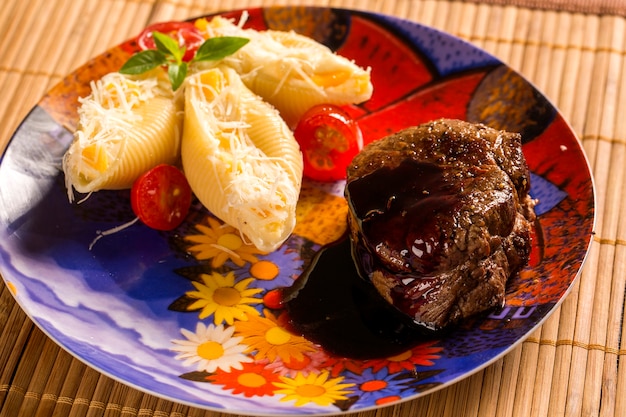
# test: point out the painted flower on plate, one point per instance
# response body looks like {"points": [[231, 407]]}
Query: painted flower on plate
{"points": [[220, 296], [269, 340], [317, 388], [210, 348], [220, 242], [377, 388], [310, 362], [338, 364], [276, 269], [252, 380], [423, 354]]}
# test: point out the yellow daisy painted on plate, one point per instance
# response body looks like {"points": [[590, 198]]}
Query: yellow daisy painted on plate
{"points": [[220, 242], [211, 347], [315, 387], [269, 340], [228, 301]]}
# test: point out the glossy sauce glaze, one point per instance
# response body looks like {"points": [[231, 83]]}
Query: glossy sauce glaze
{"points": [[398, 214], [330, 304]]}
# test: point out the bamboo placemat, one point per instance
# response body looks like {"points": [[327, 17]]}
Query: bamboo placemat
{"points": [[574, 51]]}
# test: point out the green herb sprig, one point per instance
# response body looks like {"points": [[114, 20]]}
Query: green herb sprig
{"points": [[169, 54]]}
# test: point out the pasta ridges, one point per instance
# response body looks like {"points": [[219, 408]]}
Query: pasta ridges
{"points": [[126, 126], [227, 135], [291, 71]]}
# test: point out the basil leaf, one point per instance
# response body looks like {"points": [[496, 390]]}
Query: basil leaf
{"points": [[177, 73], [168, 45], [169, 53], [220, 47], [143, 61]]}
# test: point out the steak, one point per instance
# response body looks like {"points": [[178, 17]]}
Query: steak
{"points": [[440, 218]]}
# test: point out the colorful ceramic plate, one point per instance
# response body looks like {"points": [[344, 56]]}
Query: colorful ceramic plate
{"points": [[170, 315]]}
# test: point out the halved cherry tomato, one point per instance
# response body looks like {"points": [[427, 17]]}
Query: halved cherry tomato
{"points": [[161, 197], [273, 299], [185, 32], [329, 139]]}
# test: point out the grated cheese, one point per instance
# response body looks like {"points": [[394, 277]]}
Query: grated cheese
{"points": [[257, 193], [112, 114], [292, 71]]}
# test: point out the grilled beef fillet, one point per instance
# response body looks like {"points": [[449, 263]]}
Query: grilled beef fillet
{"points": [[440, 218]]}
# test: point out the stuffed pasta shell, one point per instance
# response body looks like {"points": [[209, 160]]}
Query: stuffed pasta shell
{"points": [[240, 158], [126, 126], [291, 71]]}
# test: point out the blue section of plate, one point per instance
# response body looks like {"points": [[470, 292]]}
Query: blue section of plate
{"points": [[448, 54]]}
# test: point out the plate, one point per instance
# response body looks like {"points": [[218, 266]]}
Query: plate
{"points": [[162, 312]]}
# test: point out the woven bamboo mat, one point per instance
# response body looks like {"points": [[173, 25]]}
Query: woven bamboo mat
{"points": [[574, 51]]}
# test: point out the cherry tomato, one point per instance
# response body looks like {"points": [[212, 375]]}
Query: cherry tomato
{"points": [[161, 197], [185, 32], [273, 299], [329, 139]]}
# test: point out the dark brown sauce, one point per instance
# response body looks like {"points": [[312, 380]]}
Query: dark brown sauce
{"points": [[401, 211], [330, 304]]}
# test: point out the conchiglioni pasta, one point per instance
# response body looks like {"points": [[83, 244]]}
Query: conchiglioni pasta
{"points": [[126, 126], [240, 157], [291, 71]]}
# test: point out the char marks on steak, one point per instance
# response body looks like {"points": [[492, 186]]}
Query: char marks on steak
{"points": [[440, 218]]}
